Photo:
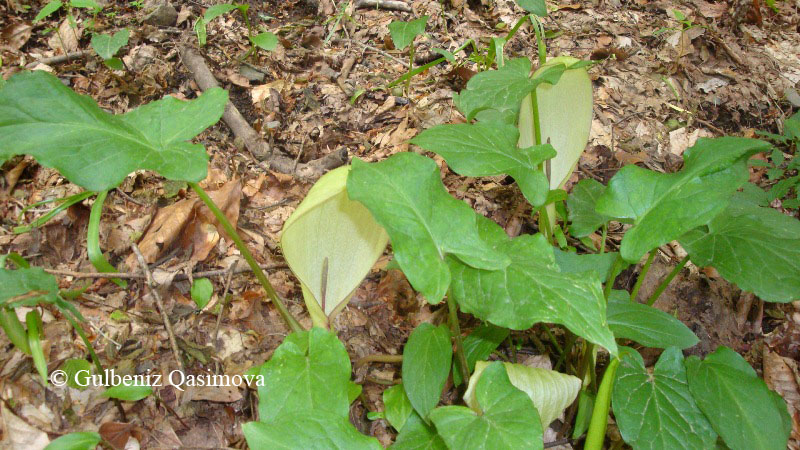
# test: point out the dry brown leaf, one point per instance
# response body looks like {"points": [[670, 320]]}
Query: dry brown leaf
{"points": [[18, 435], [781, 376], [217, 394], [164, 231], [65, 38], [117, 434], [15, 35], [202, 230]]}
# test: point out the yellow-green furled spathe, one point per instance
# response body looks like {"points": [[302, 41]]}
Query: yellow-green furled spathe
{"points": [[565, 118], [327, 224], [551, 392]]}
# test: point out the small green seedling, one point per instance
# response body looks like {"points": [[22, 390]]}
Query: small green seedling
{"points": [[201, 292], [265, 40], [785, 174], [403, 35], [55, 5], [107, 47], [82, 440]]}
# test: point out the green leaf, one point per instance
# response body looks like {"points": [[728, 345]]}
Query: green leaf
{"points": [[201, 292], [479, 345], [756, 248], [313, 429], [128, 393], [551, 392], [397, 406], [309, 371], [78, 372], [665, 206], [418, 435], [600, 263], [738, 404], [490, 148], [645, 324], [217, 10], [27, 287], [94, 149], [83, 440], [14, 330], [585, 220], [406, 196], [565, 116], [656, 411], [34, 323], [201, 31], [331, 242], [531, 289], [48, 9], [403, 33], [107, 46], [88, 4], [536, 7], [496, 95], [506, 419], [266, 41], [114, 64], [426, 364]]}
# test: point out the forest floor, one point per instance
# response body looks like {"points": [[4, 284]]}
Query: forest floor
{"points": [[659, 84]]}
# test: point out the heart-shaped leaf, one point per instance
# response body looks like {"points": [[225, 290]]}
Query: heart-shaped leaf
{"points": [[83, 440], [406, 196], [396, 406], [600, 263], [565, 117], [307, 429], [309, 371], [27, 287], [756, 248], [506, 417], [550, 391], [496, 95], [738, 404], [646, 325], [581, 202], [41, 117], [107, 46], [490, 148], [531, 289], [655, 410], [418, 435], [403, 33], [266, 40], [331, 242], [426, 363], [201, 292], [665, 206], [537, 7]]}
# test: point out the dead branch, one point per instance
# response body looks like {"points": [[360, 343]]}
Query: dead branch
{"points": [[151, 284], [242, 130], [59, 59], [393, 5]]}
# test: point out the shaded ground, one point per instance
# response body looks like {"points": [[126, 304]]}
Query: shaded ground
{"points": [[660, 84]]}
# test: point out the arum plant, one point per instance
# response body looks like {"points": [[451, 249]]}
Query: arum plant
{"points": [[403, 35], [107, 46], [96, 150], [330, 243], [265, 40]]}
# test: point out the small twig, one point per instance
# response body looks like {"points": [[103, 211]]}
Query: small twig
{"points": [[299, 154], [153, 289], [392, 5], [178, 277], [59, 58], [129, 198], [377, 358], [376, 50], [224, 301]]}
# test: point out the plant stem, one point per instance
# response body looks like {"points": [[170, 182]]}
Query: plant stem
{"points": [[251, 261], [597, 426], [455, 329], [603, 241], [420, 69], [517, 26], [663, 286], [93, 240], [410, 67], [615, 270], [643, 274], [377, 358], [538, 28]]}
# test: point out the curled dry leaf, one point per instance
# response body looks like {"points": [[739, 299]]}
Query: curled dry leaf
{"points": [[781, 376], [65, 38], [15, 35]]}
